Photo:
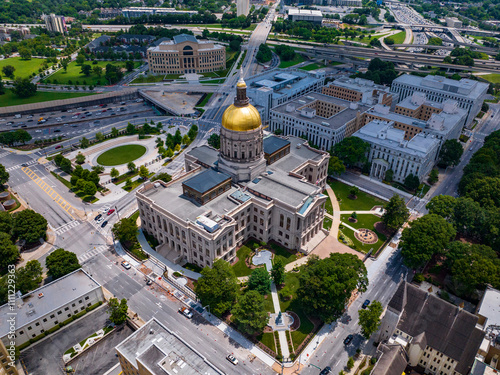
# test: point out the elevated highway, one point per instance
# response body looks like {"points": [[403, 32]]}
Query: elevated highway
{"points": [[475, 47]]}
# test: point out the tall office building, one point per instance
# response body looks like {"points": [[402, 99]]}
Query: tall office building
{"points": [[55, 23], [242, 7]]}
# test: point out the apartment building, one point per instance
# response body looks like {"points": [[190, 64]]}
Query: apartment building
{"points": [[55, 23]]}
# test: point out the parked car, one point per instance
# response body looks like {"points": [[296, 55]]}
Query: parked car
{"points": [[111, 211], [186, 312], [231, 359], [327, 370], [126, 265], [98, 217], [366, 304], [104, 223], [348, 339]]}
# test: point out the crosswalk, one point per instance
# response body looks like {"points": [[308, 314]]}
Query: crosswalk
{"points": [[64, 228], [3, 154], [95, 250], [20, 165]]}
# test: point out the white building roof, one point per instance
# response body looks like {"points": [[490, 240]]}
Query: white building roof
{"points": [[490, 306]]}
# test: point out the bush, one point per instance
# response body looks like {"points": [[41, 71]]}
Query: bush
{"points": [[177, 274], [52, 330], [79, 315], [23, 346], [35, 339], [418, 278], [94, 306], [350, 363], [373, 360]]}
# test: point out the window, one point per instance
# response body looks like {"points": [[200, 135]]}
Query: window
{"points": [[44, 320], [21, 332], [59, 312], [37, 324], [87, 298], [66, 308], [72, 305]]}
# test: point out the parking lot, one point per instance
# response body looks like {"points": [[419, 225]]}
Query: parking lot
{"points": [[45, 357]]}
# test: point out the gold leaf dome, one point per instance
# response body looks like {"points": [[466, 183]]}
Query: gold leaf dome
{"points": [[241, 118]]}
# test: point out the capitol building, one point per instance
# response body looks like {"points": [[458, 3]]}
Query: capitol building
{"points": [[257, 185]]}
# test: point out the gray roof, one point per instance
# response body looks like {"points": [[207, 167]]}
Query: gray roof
{"points": [[137, 36], [157, 42], [206, 180], [393, 360], [273, 144], [490, 306], [185, 38], [447, 328], [205, 154], [163, 352], [31, 307], [97, 41]]}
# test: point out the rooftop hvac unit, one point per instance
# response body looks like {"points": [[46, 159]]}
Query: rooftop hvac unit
{"points": [[325, 123], [302, 101], [309, 97]]}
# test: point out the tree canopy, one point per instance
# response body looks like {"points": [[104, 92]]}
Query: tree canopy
{"points": [[29, 277], [61, 262], [125, 230], [426, 236], [396, 213], [335, 166], [117, 310], [217, 287], [450, 153], [23, 88], [29, 226], [369, 318], [351, 150], [278, 271], [8, 251], [259, 280], [4, 175], [327, 284], [249, 312]]}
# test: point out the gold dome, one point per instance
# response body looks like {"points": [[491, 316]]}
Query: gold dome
{"points": [[241, 84], [241, 118]]}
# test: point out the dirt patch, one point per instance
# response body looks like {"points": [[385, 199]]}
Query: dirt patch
{"points": [[382, 228]]}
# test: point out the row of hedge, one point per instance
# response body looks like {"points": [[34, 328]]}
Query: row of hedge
{"points": [[58, 326]]}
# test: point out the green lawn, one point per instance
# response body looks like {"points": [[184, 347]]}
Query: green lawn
{"points": [[493, 78], [296, 60], [240, 268], [9, 98], [399, 38], [24, 68], [364, 202], [328, 204], [364, 221], [205, 99], [121, 155], [73, 73], [135, 183], [313, 66], [306, 326], [327, 223], [268, 340], [284, 254]]}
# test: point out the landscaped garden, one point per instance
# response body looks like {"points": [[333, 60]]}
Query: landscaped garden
{"points": [[366, 221], [121, 155], [363, 201], [24, 68]]}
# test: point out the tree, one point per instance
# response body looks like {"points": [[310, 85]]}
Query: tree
{"points": [[8, 251], [214, 141], [264, 54], [80, 59], [114, 132], [278, 271], [29, 226], [442, 205], [250, 314], [66, 165], [353, 192], [29, 277], [129, 65], [335, 166], [23, 88], [125, 230], [412, 182], [21, 135], [433, 176], [217, 287], [131, 166], [4, 175], [97, 70], [8, 71], [485, 191], [351, 150], [426, 236], [2, 87], [114, 173], [118, 310], [61, 262], [86, 70], [259, 280], [99, 136], [84, 142], [186, 140], [64, 64], [369, 318], [5, 223], [192, 132], [327, 284], [80, 184], [24, 53], [396, 213], [450, 153], [89, 188], [98, 168], [128, 184], [389, 175], [354, 216], [350, 363], [80, 158], [143, 172], [130, 129]]}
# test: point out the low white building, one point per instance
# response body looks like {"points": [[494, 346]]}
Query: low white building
{"points": [[296, 14], [390, 151], [49, 305], [453, 22]]}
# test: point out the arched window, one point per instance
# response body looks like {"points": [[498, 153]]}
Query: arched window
{"points": [[187, 51]]}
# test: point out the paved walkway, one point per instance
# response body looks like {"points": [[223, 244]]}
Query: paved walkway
{"points": [[348, 226]]}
